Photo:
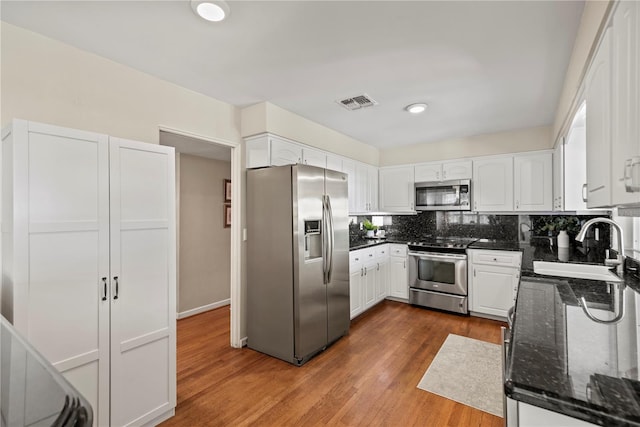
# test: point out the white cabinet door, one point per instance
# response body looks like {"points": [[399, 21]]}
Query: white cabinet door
{"points": [[334, 163], [428, 172], [558, 176], [533, 181], [58, 207], [372, 187], [493, 289], [575, 169], [284, 153], [493, 184], [143, 281], [382, 279], [370, 281], [362, 188], [356, 296], [457, 170], [625, 147], [366, 188], [397, 191], [598, 124], [349, 167], [314, 158], [398, 278]]}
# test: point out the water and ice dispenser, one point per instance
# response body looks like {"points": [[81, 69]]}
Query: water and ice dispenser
{"points": [[312, 239]]}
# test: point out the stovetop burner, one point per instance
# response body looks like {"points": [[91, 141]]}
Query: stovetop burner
{"points": [[453, 244]]}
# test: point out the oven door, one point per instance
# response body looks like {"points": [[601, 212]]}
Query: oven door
{"points": [[438, 272]]}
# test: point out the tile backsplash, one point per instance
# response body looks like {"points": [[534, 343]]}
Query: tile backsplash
{"points": [[478, 225]]}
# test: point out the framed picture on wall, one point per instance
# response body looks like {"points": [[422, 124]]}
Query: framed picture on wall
{"points": [[227, 190], [227, 216]]}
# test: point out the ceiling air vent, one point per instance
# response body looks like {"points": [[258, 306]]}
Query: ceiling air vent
{"points": [[357, 102]]}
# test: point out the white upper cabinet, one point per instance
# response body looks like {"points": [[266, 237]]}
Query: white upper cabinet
{"points": [[533, 182], [397, 189], [598, 126], [558, 176], [314, 158], [443, 171], [284, 152], [493, 184], [334, 163], [349, 167], [457, 170], [625, 146], [428, 172], [366, 184]]}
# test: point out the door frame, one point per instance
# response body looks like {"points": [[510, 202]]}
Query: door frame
{"points": [[236, 229]]}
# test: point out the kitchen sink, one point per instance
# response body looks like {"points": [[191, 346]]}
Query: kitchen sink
{"points": [[576, 271]]}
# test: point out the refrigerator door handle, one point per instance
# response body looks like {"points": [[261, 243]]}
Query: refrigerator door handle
{"points": [[325, 243], [331, 239]]}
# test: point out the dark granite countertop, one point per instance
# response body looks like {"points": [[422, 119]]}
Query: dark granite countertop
{"points": [[365, 243], [540, 249], [562, 360]]}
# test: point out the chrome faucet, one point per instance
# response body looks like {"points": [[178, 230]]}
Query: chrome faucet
{"points": [[619, 261]]}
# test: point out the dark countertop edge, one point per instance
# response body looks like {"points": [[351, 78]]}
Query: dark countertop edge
{"points": [[574, 409], [376, 242]]}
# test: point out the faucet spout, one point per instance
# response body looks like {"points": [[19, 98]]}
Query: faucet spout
{"points": [[620, 258]]}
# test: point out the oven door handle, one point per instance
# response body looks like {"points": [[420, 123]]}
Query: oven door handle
{"points": [[437, 256]]}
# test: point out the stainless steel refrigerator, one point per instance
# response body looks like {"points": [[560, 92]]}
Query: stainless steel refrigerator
{"points": [[297, 260]]}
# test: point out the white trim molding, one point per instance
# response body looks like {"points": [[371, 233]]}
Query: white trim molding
{"points": [[204, 308], [236, 229]]}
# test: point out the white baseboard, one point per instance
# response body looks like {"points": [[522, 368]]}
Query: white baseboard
{"points": [[243, 342], [204, 308]]}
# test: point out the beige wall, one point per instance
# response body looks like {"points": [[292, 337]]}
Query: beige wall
{"points": [[532, 139], [204, 261], [266, 117], [51, 82], [590, 24]]}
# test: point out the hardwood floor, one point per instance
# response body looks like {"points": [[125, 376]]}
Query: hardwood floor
{"points": [[367, 378]]}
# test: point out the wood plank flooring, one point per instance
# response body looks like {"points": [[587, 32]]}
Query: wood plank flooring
{"points": [[367, 378]]}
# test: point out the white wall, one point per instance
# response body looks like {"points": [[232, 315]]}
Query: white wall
{"points": [[267, 117], [531, 139], [51, 82], [204, 255]]}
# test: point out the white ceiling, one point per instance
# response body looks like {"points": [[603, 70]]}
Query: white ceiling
{"points": [[481, 66]]}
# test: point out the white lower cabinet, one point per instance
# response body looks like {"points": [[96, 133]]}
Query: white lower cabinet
{"points": [[534, 416], [89, 264], [369, 277], [493, 281], [356, 287], [398, 272], [382, 276]]}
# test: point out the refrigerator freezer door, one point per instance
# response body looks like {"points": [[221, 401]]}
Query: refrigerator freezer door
{"points": [[309, 290], [338, 288]]}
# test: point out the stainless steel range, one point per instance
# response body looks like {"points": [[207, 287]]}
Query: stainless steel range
{"points": [[438, 273]]}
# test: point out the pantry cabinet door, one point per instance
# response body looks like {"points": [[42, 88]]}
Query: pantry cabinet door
{"points": [[59, 213], [143, 281]]}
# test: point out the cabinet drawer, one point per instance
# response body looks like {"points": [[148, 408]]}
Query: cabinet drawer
{"points": [[397, 250], [502, 258], [361, 255], [382, 251]]}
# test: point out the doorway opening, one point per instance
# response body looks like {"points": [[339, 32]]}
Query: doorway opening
{"points": [[208, 225]]}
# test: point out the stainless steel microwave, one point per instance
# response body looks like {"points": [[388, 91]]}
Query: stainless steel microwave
{"points": [[443, 196]]}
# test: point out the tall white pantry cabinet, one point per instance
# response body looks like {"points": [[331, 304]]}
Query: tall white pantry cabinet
{"points": [[89, 264]]}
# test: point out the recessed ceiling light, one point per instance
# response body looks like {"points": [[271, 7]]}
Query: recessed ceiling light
{"points": [[416, 108], [211, 10]]}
